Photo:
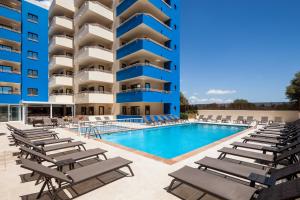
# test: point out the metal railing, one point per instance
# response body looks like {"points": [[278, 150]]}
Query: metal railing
{"points": [[94, 92], [146, 65], [82, 7], [136, 39], [94, 70], [61, 94], [97, 128], [5, 6], [93, 47], [92, 24], [11, 72], [61, 75], [56, 17], [11, 29], [145, 90]]}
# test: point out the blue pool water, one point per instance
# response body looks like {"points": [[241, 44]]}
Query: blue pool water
{"points": [[172, 141]]}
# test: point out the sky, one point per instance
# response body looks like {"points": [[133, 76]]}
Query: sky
{"points": [[233, 49]]}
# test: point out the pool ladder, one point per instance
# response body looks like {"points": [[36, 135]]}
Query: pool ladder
{"points": [[93, 131]]}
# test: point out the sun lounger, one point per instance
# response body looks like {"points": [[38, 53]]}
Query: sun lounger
{"points": [[264, 120], [200, 118], [161, 119], [74, 176], [148, 121], [239, 120], [45, 149], [40, 142], [60, 122], [227, 189], [208, 119], [249, 120], [167, 120], [62, 160], [265, 177], [266, 158], [227, 119], [273, 141], [218, 118], [48, 122], [278, 120]]}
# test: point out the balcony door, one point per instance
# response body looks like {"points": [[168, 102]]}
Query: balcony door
{"points": [[101, 89], [14, 113], [101, 110], [135, 110], [147, 110]]}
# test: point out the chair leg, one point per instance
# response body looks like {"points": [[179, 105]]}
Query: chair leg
{"points": [[42, 189], [104, 156], [129, 168], [171, 185]]}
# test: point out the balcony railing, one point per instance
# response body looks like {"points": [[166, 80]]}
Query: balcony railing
{"points": [[63, 36], [87, 2], [132, 41], [61, 94], [5, 6], [62, 56], [94, 47], [8, 92], [64, 17], [137, 14], [61, 75], [10, 50], [145, 90], [10, 29], [94, 70], [92, 24], [145, 65], [11, 72], [95, 92]]}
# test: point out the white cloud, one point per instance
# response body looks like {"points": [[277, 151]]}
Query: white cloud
{"points": [[220, 92], [197, 100]]}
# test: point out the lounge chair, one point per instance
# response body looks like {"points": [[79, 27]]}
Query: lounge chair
{"points": [[155, 119], [227, 119], [227, 189], [61, 122], [48, 122], [278, 120], [269, 159], [240, 120], [74, 176], [166, 119], [218, 118], [171, 119], [200, 118], [266, 177], [264, 120], [249, 120], [45, 149], [148, 121], [37, 135], [273, 141], [62, 160], [161, 119], [208, 119]]}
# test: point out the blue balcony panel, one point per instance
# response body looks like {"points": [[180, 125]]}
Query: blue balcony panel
{"points": [[10, 98], [10, 56], [146, 19], [144, 96], [146, 45], [10, 13], [159, 4], [10, 77], [144, 70], [10, 35]]}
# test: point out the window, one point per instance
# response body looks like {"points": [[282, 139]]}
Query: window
{"points": [[101, 110], [6, 47], [6, 90], [32, 18], [32, 73], [175, 27], [4, 68], [175, 6], [175, 67], [147, 110], [33, 36], [32, 55], [32, 91]]}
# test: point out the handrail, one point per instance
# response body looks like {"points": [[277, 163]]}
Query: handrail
{"points": [[136, 39], [11, 50], [94, 92], [64, 36], [3, 5], [94, 70], [96, 47], [61, 75], [11, 72], [18, 93], [145, 90], [61, 56], [135, 15], [166, 4], [144, 64], [61, 94], [11, 29]]}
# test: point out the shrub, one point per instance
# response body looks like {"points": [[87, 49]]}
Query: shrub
{"points": [[184, 116]]}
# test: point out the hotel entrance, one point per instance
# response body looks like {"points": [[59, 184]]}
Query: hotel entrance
{"points": [[10, 113]]}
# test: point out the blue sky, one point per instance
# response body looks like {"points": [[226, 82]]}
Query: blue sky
{"points": [[239, 49]]}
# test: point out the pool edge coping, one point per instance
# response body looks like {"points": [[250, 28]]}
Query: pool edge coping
{"points": [[178, 158]]}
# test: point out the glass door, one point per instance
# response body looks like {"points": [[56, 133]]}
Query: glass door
{"points": [[3, 113], [14, 113]]}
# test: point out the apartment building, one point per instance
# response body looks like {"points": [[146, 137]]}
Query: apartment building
{"points": [[23, 57], [111, 57]]}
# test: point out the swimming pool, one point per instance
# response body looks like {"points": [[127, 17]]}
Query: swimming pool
{"points": [[172, 141]]}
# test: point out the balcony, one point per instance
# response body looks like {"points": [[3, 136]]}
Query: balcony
{"points": [[61, 98], [62, 7], [94, 54], [144, 70], [94, 97], [94, 10], [145, 46], [157, 8], [61, 42], [10, 98], [94, 32], [141, 24], [144, 95], [61, 24], [60, 61], [60, 80], [10, 34], [11, 13], [94, 76], [10, 55], [10, 76]]}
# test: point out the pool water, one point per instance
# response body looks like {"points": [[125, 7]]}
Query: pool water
{"points": [[172, 141]]}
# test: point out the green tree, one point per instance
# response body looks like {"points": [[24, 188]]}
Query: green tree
{"points": [[241, 104], [293, 90], [183, 100]]}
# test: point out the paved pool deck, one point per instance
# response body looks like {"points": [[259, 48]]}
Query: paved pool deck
{"points": [[150, 180]]}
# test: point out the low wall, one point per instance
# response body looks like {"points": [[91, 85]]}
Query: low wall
{"points": [[287, 116]]}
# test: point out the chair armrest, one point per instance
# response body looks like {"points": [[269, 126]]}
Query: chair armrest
{"points": [[270, 149], [257, 178], [65, 162]]}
